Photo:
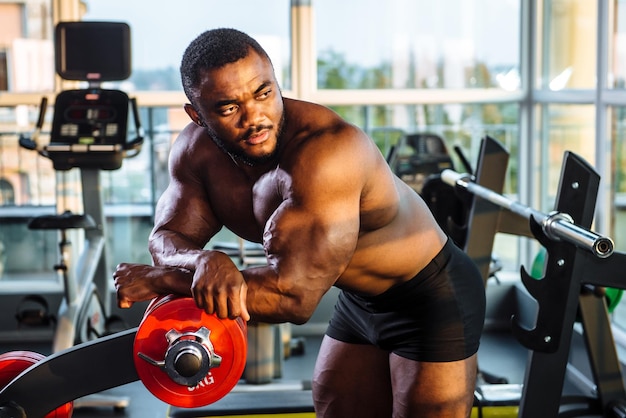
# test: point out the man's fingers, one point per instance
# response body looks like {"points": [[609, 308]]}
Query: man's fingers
{"points": [[204, 302], [224, 302], [227, 306], [243, 298], [124, 303], [222, 305], [237, 303]]}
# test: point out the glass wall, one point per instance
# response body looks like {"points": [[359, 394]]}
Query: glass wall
{"points": [[541, 76], [566, 127], [26, 49], [568, 50], [616, 122], [452, 45], [617, 48], [618, 169], [162, 31], [26, 66], [417, 44]]}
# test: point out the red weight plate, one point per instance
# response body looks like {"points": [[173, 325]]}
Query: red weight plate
{"points": [[227, 336], [15, 362]]}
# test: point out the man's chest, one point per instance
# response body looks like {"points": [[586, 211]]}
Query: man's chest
{"points": [[245, 207]]}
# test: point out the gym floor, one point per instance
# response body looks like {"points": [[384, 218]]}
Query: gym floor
{"points": [[499, 354]]}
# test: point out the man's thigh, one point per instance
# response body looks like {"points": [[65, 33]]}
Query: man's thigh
{"points": [[432, 389], [351, 380]]}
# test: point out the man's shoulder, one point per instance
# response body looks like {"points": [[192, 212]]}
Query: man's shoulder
{"points": [[329, 142], [192, 148], [312, 120], [305, 110], [300, 112], [191, 132], [191, 139]]}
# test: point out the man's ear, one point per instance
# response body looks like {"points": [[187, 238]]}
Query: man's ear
{"points": [[193, 114]]}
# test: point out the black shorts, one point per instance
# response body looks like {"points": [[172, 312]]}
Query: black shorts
{"points": [[437, 316]]}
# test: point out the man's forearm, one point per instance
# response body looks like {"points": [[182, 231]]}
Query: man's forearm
{"points": [[171, 249], [140, 282], [269, 300]]}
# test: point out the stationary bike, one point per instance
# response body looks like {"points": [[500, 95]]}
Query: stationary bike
{"points": [[88, 132]]}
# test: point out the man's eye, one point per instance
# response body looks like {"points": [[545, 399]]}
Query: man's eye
{"points": [[228, 110], [265, 94]]}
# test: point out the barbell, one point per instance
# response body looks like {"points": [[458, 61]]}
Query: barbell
{"points": [[556, 225]]}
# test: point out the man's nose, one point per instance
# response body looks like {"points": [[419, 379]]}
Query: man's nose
{"points": [[251, 115]]}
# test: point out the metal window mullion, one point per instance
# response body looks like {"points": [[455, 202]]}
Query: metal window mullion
{"points": [[602, 143], [303, 53], [413, 96], [526, 153]]}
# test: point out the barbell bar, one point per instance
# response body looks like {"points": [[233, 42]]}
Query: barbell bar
{"points": [[556, 225]]}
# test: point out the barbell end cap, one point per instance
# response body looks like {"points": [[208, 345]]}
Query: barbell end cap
{"points": [[452, 178], [603, 247]]}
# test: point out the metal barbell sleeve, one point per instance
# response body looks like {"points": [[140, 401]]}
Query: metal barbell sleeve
{"points": [[557, 226]]}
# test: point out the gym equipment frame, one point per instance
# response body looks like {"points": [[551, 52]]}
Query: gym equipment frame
{"points": [[182, 355], [578, 260]]}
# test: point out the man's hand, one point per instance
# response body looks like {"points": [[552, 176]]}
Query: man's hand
{"points": [[134, 283], [219, 287], [140, 282]]}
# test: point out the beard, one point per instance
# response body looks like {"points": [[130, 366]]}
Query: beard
{"points": [[239, 154]]}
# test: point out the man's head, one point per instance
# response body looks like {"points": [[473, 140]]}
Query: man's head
{"points": [[230, 82], [214, 49]]}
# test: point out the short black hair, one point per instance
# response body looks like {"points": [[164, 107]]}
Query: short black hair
{"points": [[214, 49]]}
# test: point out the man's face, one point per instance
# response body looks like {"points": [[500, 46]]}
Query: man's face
{"points": [[242, 108]]}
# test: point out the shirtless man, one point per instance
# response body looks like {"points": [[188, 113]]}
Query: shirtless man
{"points": [[319, 195]]}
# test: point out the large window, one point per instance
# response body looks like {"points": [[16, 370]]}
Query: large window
{"points": [[617, 121], [162, 31], [564, 128], [26, 52], [417, 44], [540, 76], [567, 54], [617, 47]]}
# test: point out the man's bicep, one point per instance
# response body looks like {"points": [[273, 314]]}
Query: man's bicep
{"points": [[312, 241], [322, 210]]}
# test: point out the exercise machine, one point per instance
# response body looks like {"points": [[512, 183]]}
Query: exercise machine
{"points": [[578, 265], [89, 132], [86, 303]]}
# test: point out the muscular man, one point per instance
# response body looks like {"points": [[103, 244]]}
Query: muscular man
{"points": [[319, 195]]}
